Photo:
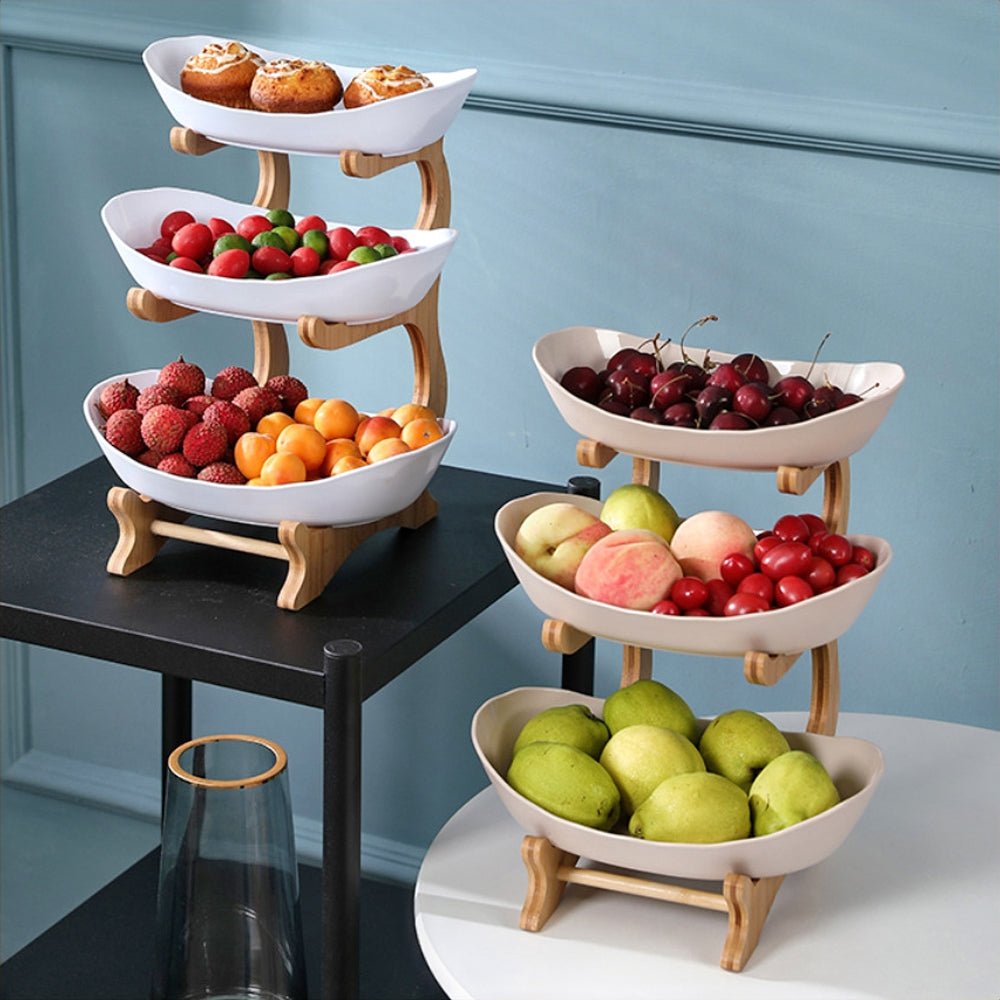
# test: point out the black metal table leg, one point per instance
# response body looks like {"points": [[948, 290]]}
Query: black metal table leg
{"points": [[578, 667], [175, 720], [341, 820]]}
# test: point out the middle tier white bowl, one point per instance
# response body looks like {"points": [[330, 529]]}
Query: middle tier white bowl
{"points": [[811, 623], [357, 497], [360, 295]]}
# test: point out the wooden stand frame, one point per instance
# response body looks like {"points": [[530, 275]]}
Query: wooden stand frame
{"points": [[314, 554], [747, 901]]}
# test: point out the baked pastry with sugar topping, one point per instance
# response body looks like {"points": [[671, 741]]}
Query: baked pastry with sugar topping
{"points": [[377, 83], [222, 73], [302, 86]]}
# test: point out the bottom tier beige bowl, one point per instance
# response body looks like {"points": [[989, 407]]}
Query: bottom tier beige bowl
{"points": [[855, 765]]}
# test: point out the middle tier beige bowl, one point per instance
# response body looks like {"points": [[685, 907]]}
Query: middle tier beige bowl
{"points": [[855, 765], [802, 626]]}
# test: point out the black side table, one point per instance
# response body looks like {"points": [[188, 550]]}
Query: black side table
{"points": [[212, 618]]}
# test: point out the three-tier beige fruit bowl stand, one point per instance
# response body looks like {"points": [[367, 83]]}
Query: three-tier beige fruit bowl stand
{"points": [[769, 644], [313, 551]]}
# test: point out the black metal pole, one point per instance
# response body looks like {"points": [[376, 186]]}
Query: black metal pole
{"points": [[578, 667], [341, 820], [175, 721]]}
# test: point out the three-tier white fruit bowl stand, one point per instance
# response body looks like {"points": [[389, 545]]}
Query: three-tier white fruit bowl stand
{"points": [[330, 312], [769, 643]]}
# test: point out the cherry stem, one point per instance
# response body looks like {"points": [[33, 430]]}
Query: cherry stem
{"points": [[656, 345], [826, 337], [698, 322]]}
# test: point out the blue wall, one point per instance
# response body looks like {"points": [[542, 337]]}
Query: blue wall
{"points": [[793, 168]]}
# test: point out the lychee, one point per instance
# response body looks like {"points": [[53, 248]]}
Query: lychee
{"points": [[205, 443], [177, 465], [257, 402], [164, 427], [117, 396], [290, 390], [198, 404], [154, 395], [222, 472], [124, 431], [184, 376], [151, 457], [230, 381], [234, 418]]}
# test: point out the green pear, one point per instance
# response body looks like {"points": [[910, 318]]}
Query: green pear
{"points": [[694, 808], [639, 757], [636, 505], [793, 787], [572, 724], [565, 781], [739, 744], [648, 702]]}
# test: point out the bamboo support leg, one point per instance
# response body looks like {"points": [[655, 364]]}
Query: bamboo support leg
{"points": [[138, 541], [593, 454], [545, 888], [749, 902], [144, 304], [646, 472], [270, 350], [637, 664], [275, 180], [824, 707]]}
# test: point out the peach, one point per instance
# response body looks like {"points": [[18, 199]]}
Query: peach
{"points": [[387, 448], [629, 568], [336, 418], [421, 431], [348, 463], [304, 441], [251, 451], [375, 429], [335, 451], [282, 468], [306, 410], [703, 540], [274, 423], [412, 411], [554, 538]]}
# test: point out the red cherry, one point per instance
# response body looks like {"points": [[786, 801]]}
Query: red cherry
{"points": [[727, 376], [764, 545], [402, 244], [757, 583], [786, 559], [582, 382], [697, 613], [735, 567], [745, 604], [837, 549], [665, 607], [689, 593], [792, 528], [172, 222], [863, 556], [850, 571], [821, 576], [814, 522], [791, 590], [752, 367], [718, 593], [793, 391]]}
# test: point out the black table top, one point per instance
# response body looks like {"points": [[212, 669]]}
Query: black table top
{"points": [[209, 614]]}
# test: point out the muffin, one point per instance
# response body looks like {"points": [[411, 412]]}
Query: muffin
{"points": [[377, 83], [301, 86], [221, 73]]}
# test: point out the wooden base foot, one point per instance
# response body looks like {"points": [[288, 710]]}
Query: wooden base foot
{"points": [[747, 901], [314, 554]]}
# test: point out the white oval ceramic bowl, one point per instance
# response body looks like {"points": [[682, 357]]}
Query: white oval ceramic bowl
{"points": [[812, 442], [855, 765], [398, 125], [802, 626], [359, 295], [357, 497]]}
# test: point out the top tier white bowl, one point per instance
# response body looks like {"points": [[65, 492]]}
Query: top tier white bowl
{"points": [[819, 441], [360, 295], [398, 125], [855, 765]]}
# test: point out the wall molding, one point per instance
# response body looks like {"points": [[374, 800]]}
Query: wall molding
{"points": [[126, 792], [858, 128]]}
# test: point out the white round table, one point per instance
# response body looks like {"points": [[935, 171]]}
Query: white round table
{"points": [[908, 907]]}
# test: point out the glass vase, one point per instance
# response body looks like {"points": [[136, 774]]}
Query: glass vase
{"points": [[228, 923]]}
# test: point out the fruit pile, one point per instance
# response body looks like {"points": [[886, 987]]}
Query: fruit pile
{"points": [[234, 431], [648, 768], [639, 554], [269, 245], [745, 393]]}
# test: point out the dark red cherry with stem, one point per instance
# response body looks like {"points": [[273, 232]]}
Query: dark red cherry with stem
{"points": [[644, 364], [647, 414], [817, 407], [667, 388], [781, 416], [727, 420], [727, 376], [621, 358], [752, 367], [712, 400], [681, 414], [793, 392], [689, 364], [753, 399], [629, 388], [612, 405], [847, 399], [582, 382]]}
